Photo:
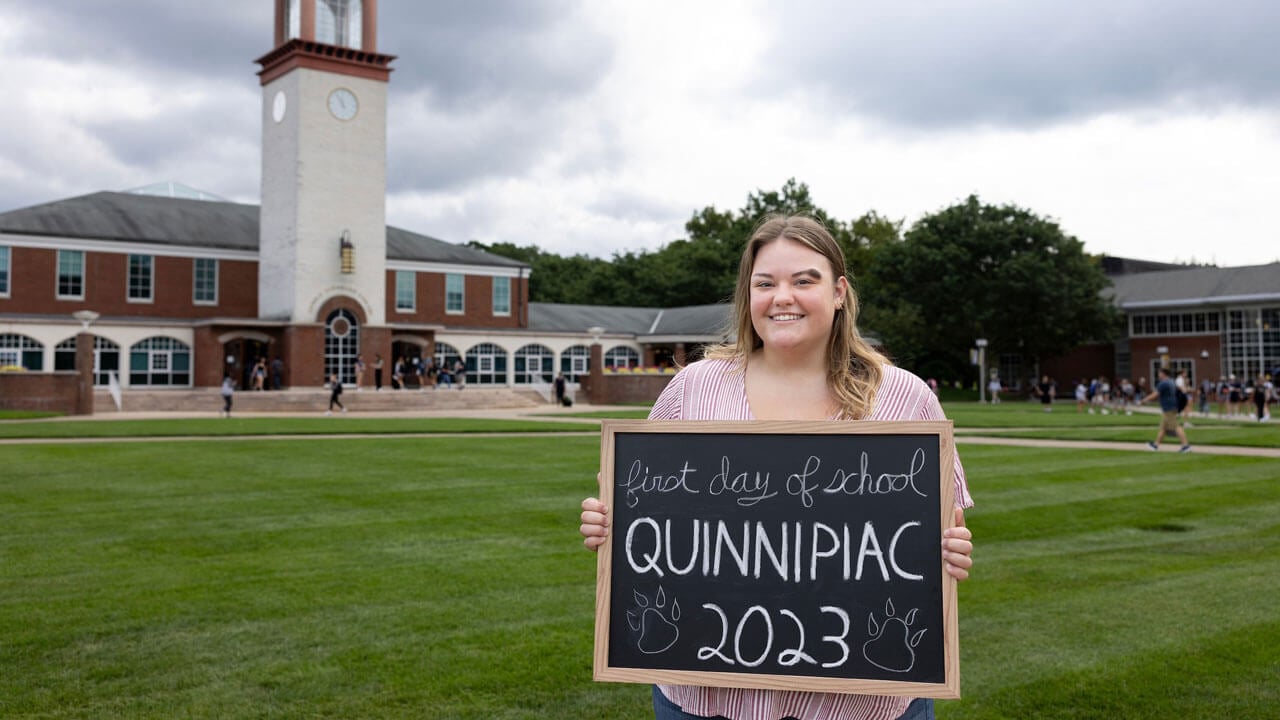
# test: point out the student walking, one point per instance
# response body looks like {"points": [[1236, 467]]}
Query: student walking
{"points": [[228, 389], [335, 392], [1167, 393]]}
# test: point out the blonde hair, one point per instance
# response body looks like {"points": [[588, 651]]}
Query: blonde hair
{"points": [[854, 367]]}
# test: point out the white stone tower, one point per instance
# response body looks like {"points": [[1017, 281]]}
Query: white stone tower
{"points": [[324, 164]]}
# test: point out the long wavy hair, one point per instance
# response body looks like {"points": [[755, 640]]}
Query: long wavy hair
{"points": [[854, 367]]}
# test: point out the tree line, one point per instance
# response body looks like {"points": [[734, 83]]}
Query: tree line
{"points": [[967, 271]]}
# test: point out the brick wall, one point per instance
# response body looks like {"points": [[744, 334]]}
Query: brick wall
{"points": [[624, 388], [57, 391], [477, 302], [34, 286]]}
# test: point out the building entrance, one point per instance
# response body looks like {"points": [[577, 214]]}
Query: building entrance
{"points": [[239, 356]]}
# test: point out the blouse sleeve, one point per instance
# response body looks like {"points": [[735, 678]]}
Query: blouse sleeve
{"points": [[932, 410], [670, 401]]}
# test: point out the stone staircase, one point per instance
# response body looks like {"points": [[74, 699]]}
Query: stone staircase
{"points": [[306, 400]]}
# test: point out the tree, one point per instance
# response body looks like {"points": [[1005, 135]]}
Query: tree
{"points": [[1000, 273], [577, 279], [698, 270], [726, 232]]}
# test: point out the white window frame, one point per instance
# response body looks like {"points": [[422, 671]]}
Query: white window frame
{"points": [[6, 272], [151, 279], [461, 293], [406, 286], [195, 281], [58, 275], [505, 284], [625, 353]]}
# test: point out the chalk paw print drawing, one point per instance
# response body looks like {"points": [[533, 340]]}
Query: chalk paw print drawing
{"points": [[892, 645], [653, 622]]}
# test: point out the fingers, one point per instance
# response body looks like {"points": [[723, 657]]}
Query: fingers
{"points": [[957, 548], [959, 574], [595, 523], [958, 563]]}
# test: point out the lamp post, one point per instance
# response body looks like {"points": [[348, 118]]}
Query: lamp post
{"points": [[86, 317], [982, 369]]}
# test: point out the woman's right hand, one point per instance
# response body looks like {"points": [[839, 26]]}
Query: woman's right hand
{"points": [[595, 523]]}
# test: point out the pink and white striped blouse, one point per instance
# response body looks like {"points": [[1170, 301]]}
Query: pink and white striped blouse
{"points": [[715, 390]]}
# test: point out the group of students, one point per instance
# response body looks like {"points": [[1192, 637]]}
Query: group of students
{"points": [[1234, 397], [1099, 395], [425, 371]]}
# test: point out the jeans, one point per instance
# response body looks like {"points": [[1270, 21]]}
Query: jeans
{"points": [[664, 709]]}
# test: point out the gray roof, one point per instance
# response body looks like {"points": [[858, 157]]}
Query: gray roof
{"points": [[711, 321], [1197, 286], [557, 317], [131, 217], [697, 322]]}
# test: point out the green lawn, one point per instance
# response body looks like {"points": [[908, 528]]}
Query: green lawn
{"points": [[26, 414], [443, 578], [265, 425]]}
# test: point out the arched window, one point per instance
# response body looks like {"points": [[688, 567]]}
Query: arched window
{"points": [[160, 361], [535, 364], [64, 355], [21, 351], [341, 345], [621, 356], [575, 361], [446, 355], [486, 365], [106, 358]]}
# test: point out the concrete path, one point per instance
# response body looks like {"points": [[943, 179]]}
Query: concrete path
{"points": [[557, 413]]}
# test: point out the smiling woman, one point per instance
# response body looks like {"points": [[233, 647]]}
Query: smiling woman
{"points": [[797, 356]]}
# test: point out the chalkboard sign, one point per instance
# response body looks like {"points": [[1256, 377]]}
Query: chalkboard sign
{"points": [[790, 556]]}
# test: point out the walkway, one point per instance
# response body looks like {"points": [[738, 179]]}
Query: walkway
{"points": [[557, 413]]}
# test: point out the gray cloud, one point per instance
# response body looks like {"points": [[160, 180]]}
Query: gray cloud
{"points": [[152, 37], [479, 89], [1032, 64], [469, 53]]}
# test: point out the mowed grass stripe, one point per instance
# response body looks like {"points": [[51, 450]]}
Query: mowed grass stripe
{"points": [[272, 426], [1093, 565], [301, 552]]}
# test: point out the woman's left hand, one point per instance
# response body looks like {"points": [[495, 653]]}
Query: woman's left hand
{"points": [[957, 548]]}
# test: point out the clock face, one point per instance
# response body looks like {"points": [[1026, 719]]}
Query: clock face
{"points": [[343, 104], [278, 106]]}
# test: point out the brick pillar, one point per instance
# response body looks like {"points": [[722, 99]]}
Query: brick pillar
{"points": [[678, 355], [84, 367], [376, 341], [596, 393], [302, 350]]}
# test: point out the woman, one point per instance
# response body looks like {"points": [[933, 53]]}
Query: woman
{"points": [[260, 374], [358, 369], [798, 356]]}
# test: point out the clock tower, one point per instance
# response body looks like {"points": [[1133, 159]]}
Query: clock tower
{"points": [[322, 236]]}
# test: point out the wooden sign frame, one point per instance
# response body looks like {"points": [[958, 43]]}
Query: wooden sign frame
{"points": [[611, 430]]}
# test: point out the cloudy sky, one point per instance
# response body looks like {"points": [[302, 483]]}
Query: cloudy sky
{"points": [[1147, 128]]}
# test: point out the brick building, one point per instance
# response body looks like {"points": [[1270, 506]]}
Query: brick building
{"points": [[178, 288]]}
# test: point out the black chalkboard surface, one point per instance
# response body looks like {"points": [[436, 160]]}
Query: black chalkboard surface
{"points": [[796, 555]]}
